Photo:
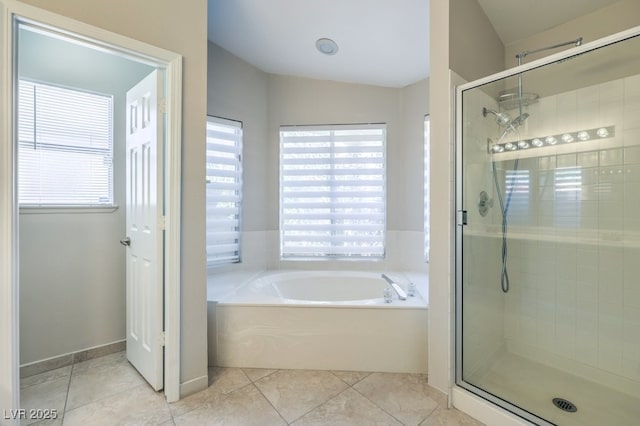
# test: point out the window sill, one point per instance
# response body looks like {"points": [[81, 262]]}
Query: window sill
{"points": [[33, 209], [331, 259]]}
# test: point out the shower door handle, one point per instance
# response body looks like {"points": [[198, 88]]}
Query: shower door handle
{"points": [[462, 217], [126, 241]]}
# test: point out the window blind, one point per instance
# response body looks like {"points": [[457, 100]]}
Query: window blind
{"points": [[517, 196], [332, 191], [427, 145], [568, 197], [224, 190], [65, 146]]}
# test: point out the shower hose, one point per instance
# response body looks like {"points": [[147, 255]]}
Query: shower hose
{"points": [[504, 210]]}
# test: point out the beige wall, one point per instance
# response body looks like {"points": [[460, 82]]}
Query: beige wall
{"points": [[238, 91], [475, 50], [180, 27], [415, 105]]}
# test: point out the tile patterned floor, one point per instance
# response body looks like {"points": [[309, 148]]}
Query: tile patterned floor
{"points": [[108, 391]]}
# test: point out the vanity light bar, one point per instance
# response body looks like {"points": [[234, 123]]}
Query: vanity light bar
{"points": [[563, 138]]}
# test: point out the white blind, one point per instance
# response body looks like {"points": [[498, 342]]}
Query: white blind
{"points": [[224, 190], [65, 146], [332, 191], [427, 145], [517, 197]]}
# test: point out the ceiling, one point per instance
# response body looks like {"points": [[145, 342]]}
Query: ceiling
{"points": [[381, 42]]}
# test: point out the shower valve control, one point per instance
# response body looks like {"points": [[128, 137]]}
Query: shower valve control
{"points": [[484, 203]]}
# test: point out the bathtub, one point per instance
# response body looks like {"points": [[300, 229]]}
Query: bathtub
{"points": [[319, 320]]}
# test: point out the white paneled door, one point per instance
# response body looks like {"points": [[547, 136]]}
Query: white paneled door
{"points": [[144, 239]]}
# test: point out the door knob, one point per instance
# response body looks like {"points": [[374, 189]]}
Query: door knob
{"points": [[126, 241]]}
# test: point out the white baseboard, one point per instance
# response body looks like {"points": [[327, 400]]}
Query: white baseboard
{"points": [[194, 385]]}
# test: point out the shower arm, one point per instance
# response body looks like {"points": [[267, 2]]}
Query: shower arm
{"points": [[520, 56]]}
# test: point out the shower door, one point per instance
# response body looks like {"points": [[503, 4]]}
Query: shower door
{"points": [[548, 236]]}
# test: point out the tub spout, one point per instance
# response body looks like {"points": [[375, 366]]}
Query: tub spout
{"points": [[401, 293]]}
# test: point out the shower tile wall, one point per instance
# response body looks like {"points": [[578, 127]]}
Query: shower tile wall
{"points": [[574, 253]]}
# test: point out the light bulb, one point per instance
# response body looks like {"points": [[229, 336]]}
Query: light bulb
{"points": [[550, 140], [602, 132], [510, 146], [497, 148], [584, 135], [537, 143], [523, 144], [567, 138]]}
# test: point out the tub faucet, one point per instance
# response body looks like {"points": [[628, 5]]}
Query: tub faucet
{"points": [[401, 294]]}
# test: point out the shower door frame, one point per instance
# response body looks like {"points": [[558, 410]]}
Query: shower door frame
{"points": [[460, 209]]}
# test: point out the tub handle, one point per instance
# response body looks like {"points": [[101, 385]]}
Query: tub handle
{"points": [[401, 293]]}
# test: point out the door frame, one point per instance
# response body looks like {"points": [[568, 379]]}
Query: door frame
{"points": [[12, 11]]}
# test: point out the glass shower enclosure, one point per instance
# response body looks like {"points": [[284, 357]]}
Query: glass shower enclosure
{"points": [[548, 236]]}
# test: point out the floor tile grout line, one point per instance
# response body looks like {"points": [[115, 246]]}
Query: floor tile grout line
{"points": [[66, 398], [381, 408], [322, 403], [269, 402], [111, 395]]}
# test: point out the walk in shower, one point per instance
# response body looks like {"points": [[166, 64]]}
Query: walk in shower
{"points": [[548, 236]]}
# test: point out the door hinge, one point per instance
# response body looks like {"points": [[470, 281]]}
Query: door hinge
{"points": [[162, 105], [461, 217], [161, 339], [162, 223]]}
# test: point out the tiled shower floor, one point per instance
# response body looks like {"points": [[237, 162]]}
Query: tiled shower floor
{"points": [[109, 391], [532, 386]]}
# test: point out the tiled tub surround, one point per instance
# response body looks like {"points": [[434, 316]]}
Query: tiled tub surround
{"points": [[251, 326]]}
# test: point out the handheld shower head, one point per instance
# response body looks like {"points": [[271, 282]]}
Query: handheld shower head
{"points": [[513, 125], [518, 121], [502, 118]]}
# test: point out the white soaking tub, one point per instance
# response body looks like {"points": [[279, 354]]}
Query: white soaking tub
{"points": [[324, 320]]}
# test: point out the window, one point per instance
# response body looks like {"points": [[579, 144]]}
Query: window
{"points": [[65, 146], [224, 190], [517, 196], [568, 194], [427, 147], [332, 191]]}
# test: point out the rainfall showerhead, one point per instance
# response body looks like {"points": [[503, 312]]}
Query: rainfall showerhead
{"points": [[502, 118], [510, 99]]}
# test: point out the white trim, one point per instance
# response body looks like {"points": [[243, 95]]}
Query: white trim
{"points": [[194, 385], [172, 198], [133, 49], [34, 209], [9, 338]]}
